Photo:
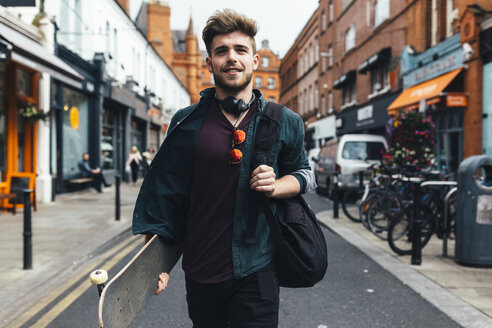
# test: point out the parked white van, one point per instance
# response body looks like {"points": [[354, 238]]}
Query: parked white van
{"points": [[347, 155]]}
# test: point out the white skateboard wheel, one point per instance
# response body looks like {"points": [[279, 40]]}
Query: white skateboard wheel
{"points": [[98, 277]]}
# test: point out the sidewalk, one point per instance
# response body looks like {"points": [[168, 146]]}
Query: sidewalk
{"points": [[64, 234], [463, 293]]}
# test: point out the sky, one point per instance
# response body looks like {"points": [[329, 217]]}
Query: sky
{"points": [[280, 21]]}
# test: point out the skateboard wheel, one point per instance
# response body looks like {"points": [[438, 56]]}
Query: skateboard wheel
{"points": [[98, 277]]}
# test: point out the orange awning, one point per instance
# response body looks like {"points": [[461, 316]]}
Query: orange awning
{"points": [[426, 90]]}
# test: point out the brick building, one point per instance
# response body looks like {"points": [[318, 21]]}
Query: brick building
{"points": [[266, 76], [373, 54], [178, 48]]}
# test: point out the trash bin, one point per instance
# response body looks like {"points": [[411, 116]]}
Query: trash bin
{"points": [[474, 212]]}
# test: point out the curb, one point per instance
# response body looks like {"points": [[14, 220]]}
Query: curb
{"points": [[450, 304]]}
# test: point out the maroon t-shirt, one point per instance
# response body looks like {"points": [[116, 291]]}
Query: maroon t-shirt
{"points": [[207, 255]]}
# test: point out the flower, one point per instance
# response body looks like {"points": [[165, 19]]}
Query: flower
{"points": [[30, 113]]}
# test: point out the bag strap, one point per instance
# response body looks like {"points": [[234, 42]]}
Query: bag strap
{"points": [[265, 137]]}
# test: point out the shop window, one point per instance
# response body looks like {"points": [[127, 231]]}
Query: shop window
{"points": [[137, 132], [75, 130], [449, 138], [108, 140]]}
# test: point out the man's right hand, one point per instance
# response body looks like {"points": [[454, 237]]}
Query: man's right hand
{"points": [[162, 282]]}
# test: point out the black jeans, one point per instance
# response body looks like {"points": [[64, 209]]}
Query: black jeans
{"points": [[240, 303]]}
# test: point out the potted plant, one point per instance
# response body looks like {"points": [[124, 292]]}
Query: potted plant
{"points": [[31, 114]]}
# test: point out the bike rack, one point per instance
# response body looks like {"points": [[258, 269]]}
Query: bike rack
{"points": [[446, 205]]}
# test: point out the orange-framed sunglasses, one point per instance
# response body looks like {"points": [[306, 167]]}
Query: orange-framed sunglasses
{"points": [[235, 156]]}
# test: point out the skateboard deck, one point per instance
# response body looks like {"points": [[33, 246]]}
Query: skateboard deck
{"points": [[126, 293]]}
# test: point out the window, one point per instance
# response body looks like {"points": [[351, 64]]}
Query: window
{"points": [[311, 55], [316, 95], [330, 102], [323, 105], [306, 60], [258, 81], [381, 11], [271, 99], [348, 93], [306, 103], [379, 77], [368, 13], [330, 11], [323, 21], [75, 130], [316, 50], [265, 61], [300, 103], [271, 83], [323, 64], [310, 98], [350, 38], [330, 56], [369, 150], [300, 65]]}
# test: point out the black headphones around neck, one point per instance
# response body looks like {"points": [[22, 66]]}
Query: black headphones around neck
{"points": [[235, 106]]}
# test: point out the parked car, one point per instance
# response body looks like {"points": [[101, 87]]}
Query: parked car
{"points": [[312, 155], [346, 156]]}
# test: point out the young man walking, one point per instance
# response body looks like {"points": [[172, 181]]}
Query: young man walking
{"points": [[198, 188]]}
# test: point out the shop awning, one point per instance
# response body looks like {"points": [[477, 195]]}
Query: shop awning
{"points": [[382, 56], [344, 79], [426, 90], [33, 55]]}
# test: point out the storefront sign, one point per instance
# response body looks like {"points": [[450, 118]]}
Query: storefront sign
{"points": [[456, 100], [364, 113], [435, 68], [18, 3]]}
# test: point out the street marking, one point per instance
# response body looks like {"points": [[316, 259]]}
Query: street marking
{"points": [[61, 306], [26, 316]]}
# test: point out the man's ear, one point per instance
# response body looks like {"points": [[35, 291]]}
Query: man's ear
{"points": [[208, 61], [256, 61]]}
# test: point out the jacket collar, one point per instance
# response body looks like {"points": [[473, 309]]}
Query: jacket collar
{"points": [[209, 94]]}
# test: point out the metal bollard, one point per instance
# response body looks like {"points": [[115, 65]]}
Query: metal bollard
{"points": [[361, 179], [416, 232], [27, 229], [117, 197], [336, 196]]}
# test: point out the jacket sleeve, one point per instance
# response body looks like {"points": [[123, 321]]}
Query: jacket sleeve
{"points": [[292, 158]]}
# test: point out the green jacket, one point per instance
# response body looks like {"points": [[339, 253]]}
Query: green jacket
{"points": [[163, 201]]}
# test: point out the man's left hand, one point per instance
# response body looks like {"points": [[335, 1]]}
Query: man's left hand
{"points": [[263, 180]]}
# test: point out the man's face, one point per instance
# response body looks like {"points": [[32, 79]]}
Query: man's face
{"points": [[85, 157], [232, 61]]}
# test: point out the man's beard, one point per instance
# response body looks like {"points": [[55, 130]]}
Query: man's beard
{"points": [[230, 87]]}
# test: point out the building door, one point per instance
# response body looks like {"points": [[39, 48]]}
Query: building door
{"points": [[449, 138]]}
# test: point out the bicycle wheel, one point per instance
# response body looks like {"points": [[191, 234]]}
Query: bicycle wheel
{"points": [[381, 212], [350, 199], [400, 232], [365, 206]]}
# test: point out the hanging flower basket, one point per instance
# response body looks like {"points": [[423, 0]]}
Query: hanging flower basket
{"points": [[411, 141], [31, 114]]}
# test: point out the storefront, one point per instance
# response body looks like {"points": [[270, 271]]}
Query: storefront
{"points": [[370, 118], [486, 55], [434, 85], [23, 85]]}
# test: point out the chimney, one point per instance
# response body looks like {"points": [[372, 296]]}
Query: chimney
{"points": [[125, 4]]}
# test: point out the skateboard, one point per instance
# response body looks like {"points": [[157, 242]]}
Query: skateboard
{"points": [[122, 298]]}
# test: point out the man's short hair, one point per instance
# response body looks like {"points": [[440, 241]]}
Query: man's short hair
{"points": [[228, 21]]}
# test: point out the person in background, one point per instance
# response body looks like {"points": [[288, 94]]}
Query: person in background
{"points": [[148, 156], [133, 163], [88, 172]]}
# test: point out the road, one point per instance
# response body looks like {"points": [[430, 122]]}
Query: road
{"points": [[356, 292]]}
